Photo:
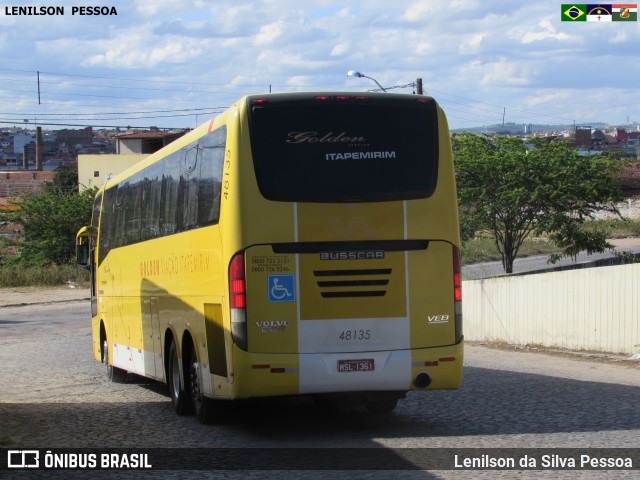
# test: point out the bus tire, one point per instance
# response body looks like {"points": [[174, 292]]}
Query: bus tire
{"points": [[114, 374], [381, 406], [177, 391], [204, 408]]}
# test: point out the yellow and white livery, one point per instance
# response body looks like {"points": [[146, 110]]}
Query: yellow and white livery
{"points": [[296, 244]]}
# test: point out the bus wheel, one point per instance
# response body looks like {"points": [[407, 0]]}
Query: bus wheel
{"points": [[381, 406], [203, 407], [114, 374], [177, 391]]}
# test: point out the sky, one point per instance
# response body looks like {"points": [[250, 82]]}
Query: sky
{"points": [[175, 63]]}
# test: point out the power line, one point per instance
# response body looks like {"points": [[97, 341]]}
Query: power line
{"points": [[85, 125], [34, 72], [473, 110], [122, 113], [41, 118]]}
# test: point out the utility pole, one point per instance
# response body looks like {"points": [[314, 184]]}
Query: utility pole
{"points": [[39, 149], [419, 86]]}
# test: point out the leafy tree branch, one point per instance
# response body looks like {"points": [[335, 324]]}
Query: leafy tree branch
{"points": [[514, 189]]}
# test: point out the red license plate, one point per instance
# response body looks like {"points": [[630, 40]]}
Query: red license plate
{"points": [[364, 365]]}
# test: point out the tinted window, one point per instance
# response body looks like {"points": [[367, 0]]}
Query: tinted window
{"points": [[211, 154], [335, 151], [170, 185], [177, 193], [95, 217], [151, 197]]}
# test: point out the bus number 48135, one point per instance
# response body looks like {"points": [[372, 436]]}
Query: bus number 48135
{"points": [[350, 335]]}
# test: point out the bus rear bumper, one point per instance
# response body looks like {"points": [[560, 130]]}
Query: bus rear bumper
{"points": [[263, 375], [443, 365]]}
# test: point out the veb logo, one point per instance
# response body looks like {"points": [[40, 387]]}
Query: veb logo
{"points": [[23, 459]]}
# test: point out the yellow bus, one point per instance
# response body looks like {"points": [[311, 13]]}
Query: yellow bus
{"points": [[296, 244]]}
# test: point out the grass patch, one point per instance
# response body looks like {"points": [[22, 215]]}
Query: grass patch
{"points": [[480, 249], [483, 249], [49, 276], [617, 228]]}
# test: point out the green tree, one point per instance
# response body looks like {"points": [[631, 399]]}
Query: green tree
{"points": [[65, 180], [50, 221], [514, 190]]}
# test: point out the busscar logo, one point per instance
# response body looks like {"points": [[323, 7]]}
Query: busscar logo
{"points": [[23, 459], [356, 255]]}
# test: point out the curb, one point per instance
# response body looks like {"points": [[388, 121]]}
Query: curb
{"points": [[50, 302]]}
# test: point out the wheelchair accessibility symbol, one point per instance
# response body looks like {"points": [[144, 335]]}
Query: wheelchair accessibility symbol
{"points": [[282, 288]]}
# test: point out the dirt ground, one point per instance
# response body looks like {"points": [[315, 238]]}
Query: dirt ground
{"points": [[32, 295]]}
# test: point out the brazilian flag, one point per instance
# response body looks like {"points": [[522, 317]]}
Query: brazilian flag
{"points": [[574, 12]]}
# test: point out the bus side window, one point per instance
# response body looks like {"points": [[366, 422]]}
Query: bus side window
{"points": [[211, 162], [188, 211], [151, 192], [169, 202]]}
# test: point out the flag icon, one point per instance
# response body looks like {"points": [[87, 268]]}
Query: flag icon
{"points": [[599, 13], [574, 12], [627, 12]]}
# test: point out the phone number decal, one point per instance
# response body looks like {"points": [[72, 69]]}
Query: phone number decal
{"points": [[271, 264]]}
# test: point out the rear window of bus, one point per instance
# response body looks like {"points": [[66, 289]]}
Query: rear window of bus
{"points": [[309, 150]]}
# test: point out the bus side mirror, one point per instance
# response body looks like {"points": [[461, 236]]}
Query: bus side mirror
{"points": [[82, 247]]}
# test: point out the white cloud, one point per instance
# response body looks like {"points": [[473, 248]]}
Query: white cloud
{"points": [[472, 44], [275, 61], [544, 98], [340, 49], [621, 37], [468, 52], [423, 10], [151, 8], [134, 50], [269, 33], [545, 30], [501, 72]]}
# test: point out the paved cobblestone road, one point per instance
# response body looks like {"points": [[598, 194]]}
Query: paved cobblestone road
{"points": [[53, 395]]}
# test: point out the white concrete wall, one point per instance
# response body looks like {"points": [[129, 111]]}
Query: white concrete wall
{"points": [[594, 309], [131, 146], [104, 166]]}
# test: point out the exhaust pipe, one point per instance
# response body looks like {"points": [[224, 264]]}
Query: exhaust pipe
{"points": [[422, 380]]}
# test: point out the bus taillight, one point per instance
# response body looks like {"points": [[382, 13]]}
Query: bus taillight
{"points": [[457, 282], [457, 293], [238, 300], [237, 284]]}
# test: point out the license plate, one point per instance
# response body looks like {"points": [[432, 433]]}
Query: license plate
{"points": [[364, 365]]}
